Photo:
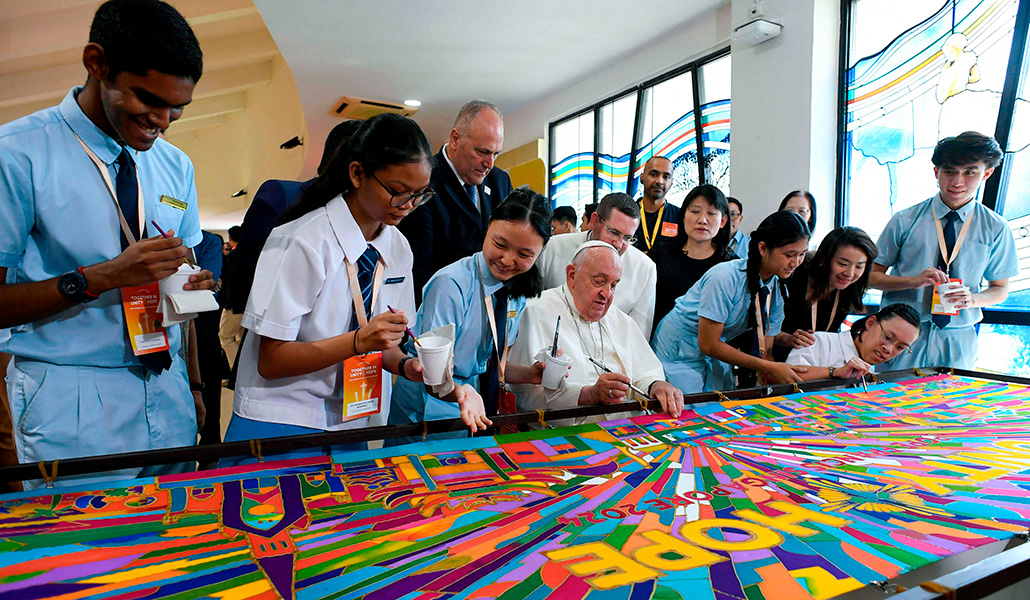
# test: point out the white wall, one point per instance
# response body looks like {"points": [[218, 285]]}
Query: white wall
{"points": [[705, 35], [784, 119], [784, 95]]}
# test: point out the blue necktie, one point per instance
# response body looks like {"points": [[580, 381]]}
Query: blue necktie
{"points": [[366, 269], [941, 321], [490, 382], [128, 200], [128, 193]]}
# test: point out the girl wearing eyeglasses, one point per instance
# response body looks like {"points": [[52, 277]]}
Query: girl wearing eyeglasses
{"points": [[801, 203], [482, 296], [871, 341], [733, 298], [317, 314]]}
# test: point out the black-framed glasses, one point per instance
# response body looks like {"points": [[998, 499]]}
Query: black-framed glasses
{"points": [[735, 215], [399, 199], [629, 239], [888, 339]]}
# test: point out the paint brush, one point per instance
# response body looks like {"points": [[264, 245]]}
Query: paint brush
{"points": [[406, 328], [554, 346], [165, 235], [601, 365], [865, 387]]}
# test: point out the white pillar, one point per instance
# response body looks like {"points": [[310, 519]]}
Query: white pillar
{"points": [[784, 121]]}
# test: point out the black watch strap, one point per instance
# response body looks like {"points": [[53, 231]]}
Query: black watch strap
{"points": [[73, 287], [196, 387]]}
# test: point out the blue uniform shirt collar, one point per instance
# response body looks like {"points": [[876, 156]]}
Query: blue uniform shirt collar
{"points": [[940, 208], [491, 283], [99, 142]]}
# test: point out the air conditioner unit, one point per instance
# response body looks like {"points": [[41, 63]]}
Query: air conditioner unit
{"points": [[349, 107]]}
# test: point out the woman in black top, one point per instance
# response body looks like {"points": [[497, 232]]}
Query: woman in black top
{"points": [[826, 288], [701, 243]]}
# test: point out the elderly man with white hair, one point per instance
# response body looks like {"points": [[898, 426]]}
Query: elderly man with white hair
{"points": [[590, 328]]}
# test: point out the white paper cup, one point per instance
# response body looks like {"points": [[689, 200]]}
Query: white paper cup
{"points": [[174, 282], [434, 353], [555, 368], [947, 288]]}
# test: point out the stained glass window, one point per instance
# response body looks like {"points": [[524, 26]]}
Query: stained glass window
{"points": [[615, 144], [932, 70], [668, 128], [657, 117], [715, 122], [572, 164]]}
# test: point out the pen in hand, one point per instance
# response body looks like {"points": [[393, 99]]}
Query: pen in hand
{"points": [[406, 328], [165, 235]]}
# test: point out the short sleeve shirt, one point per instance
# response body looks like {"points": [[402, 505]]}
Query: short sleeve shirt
{"points": [[829, 350], [56, 215], [302, 293], [909, 245]]}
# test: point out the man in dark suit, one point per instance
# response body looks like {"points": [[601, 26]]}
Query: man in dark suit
{"points": [[452, 225]]}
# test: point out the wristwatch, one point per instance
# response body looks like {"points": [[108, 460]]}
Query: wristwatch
{"points": [[73, 286], [832, 369]]}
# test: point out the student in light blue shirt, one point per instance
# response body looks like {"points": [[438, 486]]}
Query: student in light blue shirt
{"points": [[76, 388], [910, 247], [505, 270], [739, 241], [691, 341]]}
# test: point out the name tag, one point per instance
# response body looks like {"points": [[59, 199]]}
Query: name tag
{"points": [[393, 280], [362, 385], [670, 229], [146, 334], [173, 202], [486, 190], [512, 314]]}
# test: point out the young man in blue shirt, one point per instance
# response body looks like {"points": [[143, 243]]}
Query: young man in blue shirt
{"points": [[948, 237], [79, 185]]}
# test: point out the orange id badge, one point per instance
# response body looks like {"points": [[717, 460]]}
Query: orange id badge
{"points": [[670, 229], [362, 385], [146, 333], [506, 406]]}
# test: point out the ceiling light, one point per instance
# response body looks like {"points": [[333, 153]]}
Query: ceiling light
{"points": [[412, 103], [239, 193], [291, 143]]}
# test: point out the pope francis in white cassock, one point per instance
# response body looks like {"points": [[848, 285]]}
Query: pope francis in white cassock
{"points": [[590, 327]]}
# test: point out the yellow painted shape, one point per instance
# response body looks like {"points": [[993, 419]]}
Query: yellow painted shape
{"points": [[245, 591], [192, 531], [761, 537], [928, 483], [690, 556], [604, 558], [792, 515]]}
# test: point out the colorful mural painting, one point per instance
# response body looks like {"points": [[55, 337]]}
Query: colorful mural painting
{"points": [[811, 494]]}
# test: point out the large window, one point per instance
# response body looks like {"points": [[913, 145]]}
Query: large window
{"points": [[656, 118], [933, 69]]}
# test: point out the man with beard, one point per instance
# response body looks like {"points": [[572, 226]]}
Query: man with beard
{"points": [[658, 218]]}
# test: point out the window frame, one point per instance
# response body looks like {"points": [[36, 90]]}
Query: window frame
{"points": [[695, 66], [1019, 55]]}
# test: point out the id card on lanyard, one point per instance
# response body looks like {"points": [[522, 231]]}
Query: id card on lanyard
{"points": [[139, 303], [363, 374], [936, 306], [833, 312], [506, 401]]}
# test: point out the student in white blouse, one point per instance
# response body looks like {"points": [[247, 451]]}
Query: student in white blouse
{"points": [[322, 289], [591, 327], [871, 341]]}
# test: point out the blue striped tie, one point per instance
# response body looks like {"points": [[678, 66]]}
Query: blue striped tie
{"points": [[366, 269]]}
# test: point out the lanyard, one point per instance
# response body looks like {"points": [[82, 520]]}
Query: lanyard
{"points": [[643, 225], [355, 290], [833, 311], [488, 300], [102, 168], [944, 246], [760, 327]]}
